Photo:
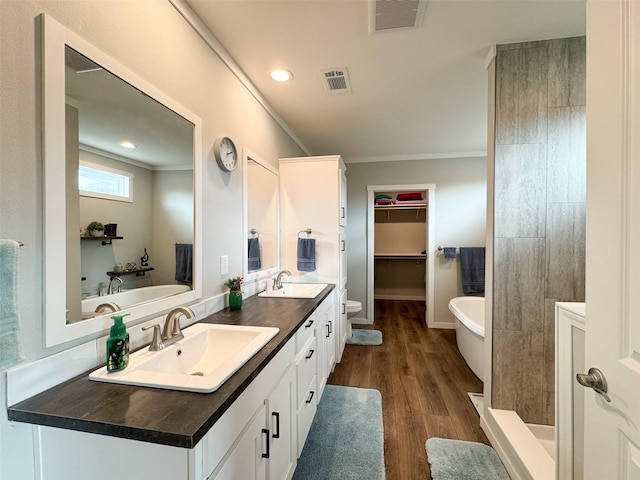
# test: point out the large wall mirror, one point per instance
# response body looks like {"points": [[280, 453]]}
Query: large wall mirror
{"points": [[261, 251], [146, 193]]}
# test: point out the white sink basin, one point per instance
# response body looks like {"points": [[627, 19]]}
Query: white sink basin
{"points": [[201, 362], [296, 290]]}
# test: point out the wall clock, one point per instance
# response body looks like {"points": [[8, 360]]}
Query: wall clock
{"points": [[226, 154]]}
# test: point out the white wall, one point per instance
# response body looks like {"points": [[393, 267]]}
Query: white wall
{"points": [[460, 217], [152, 39]]}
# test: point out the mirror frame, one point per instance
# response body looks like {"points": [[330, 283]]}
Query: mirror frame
{"points": [[254, 276], [55, 37]]}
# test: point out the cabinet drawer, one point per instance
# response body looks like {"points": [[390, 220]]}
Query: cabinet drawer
{"points": [[306, 412], [306, 366], [305, 332]]}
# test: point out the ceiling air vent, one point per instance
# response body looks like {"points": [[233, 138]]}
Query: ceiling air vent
{"points": [[387, 15], [336, 81]]}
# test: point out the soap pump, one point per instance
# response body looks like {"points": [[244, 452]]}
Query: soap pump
{"points": [[269, 286], [118, 344]]}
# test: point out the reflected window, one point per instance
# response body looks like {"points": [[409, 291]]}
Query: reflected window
{"points": [[103, 182]]}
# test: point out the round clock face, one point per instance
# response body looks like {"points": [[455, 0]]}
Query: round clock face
{"points": [[226, 154]]}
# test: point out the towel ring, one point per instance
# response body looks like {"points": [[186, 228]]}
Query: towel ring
{"points": [[307, 231], [253, 231]]}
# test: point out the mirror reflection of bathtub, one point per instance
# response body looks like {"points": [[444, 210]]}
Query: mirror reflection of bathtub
{"points": [[129, 298], [469, 313]]}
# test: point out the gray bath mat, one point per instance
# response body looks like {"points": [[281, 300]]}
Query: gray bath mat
{"points": [[460, 460], [361, 336], [346, 440]]}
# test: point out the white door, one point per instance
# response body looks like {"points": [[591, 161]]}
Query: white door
{"points": [[612, 429]]}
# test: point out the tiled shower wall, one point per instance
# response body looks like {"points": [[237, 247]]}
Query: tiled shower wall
{"points": [[539, 215]]}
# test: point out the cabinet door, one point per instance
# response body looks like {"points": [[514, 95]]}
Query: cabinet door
{"points": [[343, 198], [247, 459], [281, 410], [342, 262], [326, 342], [341, 338]]}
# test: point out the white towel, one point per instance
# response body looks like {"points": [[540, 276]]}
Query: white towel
{"points": [[10, 339]]}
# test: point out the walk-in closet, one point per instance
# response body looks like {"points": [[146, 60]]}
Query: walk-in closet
{"points": [[400, 245]]}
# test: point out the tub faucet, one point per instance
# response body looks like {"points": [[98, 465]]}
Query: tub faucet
{"points": [[277, 283], [105, 307], [111, 282], [171, 332]]}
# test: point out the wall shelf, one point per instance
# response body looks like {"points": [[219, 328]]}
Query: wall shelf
{"points": [[138, 271], [104, 239]]}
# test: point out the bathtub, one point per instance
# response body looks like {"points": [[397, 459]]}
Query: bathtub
{"points": [[129, 298], [469, 313]]}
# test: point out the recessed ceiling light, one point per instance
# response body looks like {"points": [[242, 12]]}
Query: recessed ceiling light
{"points": [[281, 74], [127, 144]]}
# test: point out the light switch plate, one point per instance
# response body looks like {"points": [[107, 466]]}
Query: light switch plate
{"points": [[224, 264]]}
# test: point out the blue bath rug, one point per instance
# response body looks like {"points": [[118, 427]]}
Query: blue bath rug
{"points": [[360, 336], [346, 440], [460, 460]]}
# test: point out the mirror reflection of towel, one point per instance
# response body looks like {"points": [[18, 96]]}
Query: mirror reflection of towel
{"points": [[10, 336], [306, 254], [184, 262], [254, 261]]}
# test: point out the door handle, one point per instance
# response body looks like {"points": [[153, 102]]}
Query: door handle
{"points": [[594, 379]]}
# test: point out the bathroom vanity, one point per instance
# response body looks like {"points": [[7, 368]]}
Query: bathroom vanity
{"points": [[253, 427]]}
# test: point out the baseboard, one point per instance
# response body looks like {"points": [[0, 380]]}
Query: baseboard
{"points": [[361, 321], [391, 296], [446, 325]]}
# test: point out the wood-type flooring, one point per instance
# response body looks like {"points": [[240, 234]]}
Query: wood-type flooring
{"points": [[423, 380]]}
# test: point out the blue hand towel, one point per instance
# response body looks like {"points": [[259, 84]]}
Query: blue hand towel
{"points": [[306, 254], [254, 261], [449, 252], [10, 337], [184, 262], [472, 269]]}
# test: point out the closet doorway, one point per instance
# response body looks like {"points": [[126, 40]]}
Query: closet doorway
{"points": [[400, 245]]}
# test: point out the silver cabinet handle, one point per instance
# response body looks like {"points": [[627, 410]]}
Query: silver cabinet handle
{"points": [[595, 380]]}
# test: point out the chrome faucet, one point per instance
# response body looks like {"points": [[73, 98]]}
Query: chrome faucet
{"points": [[171, 332], [277, 283], [111, 282]]}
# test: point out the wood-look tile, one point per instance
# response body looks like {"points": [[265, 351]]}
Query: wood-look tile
{"points": [[567, 72], [565, 256], [507, 62], [531, 96], [423, 381], [567, 155], [518, 284], [517, 373], [520, 190]]}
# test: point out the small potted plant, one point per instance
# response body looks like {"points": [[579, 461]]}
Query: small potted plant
{"points": [[235, 292], [95, 229]]}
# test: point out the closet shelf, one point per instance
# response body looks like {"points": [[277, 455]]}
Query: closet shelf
{"points": [[408, 256], [400, 207]]}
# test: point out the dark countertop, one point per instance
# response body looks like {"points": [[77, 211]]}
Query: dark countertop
{"points": [[167, 417]]}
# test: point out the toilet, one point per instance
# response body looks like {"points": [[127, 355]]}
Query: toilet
{"points": [[353, 307]]}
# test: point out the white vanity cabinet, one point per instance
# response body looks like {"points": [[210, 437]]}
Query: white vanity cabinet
{"points": [[260, 436], [326, 333], [281, 411], [313, 194], [306, 365]]}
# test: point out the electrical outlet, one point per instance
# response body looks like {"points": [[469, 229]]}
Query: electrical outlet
{"points": [[224, 264]]}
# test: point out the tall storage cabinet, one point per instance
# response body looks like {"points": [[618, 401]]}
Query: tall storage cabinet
{"points": [[313, 193]]}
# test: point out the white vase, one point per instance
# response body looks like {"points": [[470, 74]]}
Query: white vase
{"points": [[97, 233]]}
